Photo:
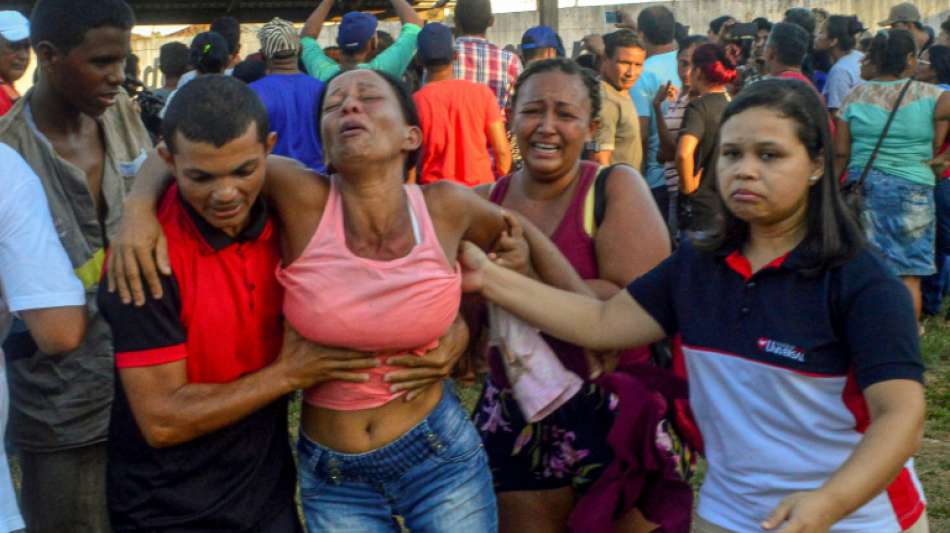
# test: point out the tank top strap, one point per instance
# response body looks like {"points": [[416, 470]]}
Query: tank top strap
{"points": [[499, 190], [417, 203], [574, 215], [331, 222]]}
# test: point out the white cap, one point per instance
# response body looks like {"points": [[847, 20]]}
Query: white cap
{"points": [[14, 26]]}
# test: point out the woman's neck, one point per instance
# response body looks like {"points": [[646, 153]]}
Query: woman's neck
{"points": [[837, 53], [713, 89], [767, 242], [546, 189], [373, 199]]}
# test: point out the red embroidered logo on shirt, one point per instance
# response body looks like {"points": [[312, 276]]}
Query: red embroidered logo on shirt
{"points": [[781, 349]]}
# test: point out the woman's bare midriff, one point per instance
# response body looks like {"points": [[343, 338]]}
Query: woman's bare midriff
{"points": [[368, 429]]}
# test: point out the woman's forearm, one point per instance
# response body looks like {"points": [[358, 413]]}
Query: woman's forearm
{"points": [[890, 440], [550, 264], [579, 319], [151, 181]]}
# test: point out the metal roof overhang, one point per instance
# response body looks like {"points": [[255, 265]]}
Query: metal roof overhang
{"points": [[203, 11]]}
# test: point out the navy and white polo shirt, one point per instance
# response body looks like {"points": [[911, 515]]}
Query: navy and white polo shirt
{"points": [[776, 363]]}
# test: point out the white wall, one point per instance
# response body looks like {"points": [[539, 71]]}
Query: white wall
{"points": [[575, 23]]}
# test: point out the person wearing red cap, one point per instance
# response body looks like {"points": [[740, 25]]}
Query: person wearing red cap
{"points": [[358, 42], [14, 55]]}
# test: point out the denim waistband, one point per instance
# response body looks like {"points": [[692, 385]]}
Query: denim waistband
{"points": [[427, 438]]}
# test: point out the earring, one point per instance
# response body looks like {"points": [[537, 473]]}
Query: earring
{"points": [[814, 178]]}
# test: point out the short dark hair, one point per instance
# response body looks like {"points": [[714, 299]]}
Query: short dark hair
{"points": [[531, 53], [657, 24], [681, 33], [803, 17], [209, 53], [571, 68], [620, 39], [889, 51], [715, 26], [589, 61], [845, 29], [945, 25], [790, 42], [214, 109], [173, 59], [230, 29], [250, 70], [473, 17], [832, 235], [762, 23], [691, 40], [940, 61], [406, 104], [64, 23]]}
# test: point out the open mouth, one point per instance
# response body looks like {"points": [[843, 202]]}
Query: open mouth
{"points": [[349, 129], [545, 148]]}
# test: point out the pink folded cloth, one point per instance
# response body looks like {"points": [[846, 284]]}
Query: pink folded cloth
{"points": [[539, 381]]}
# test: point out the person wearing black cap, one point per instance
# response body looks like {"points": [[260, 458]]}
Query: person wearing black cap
{"points": [[539, 42], [358, 42], [458, 118]]}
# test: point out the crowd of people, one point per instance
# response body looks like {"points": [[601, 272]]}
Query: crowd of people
{"points": [[671, 245]]}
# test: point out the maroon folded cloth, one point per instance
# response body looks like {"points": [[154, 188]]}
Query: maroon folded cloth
{"points": [[644, 472]]}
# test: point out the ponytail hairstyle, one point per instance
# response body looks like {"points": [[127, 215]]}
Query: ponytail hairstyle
{"points": [[889, 51], [717, 67], [845, 29], [209, 53]]}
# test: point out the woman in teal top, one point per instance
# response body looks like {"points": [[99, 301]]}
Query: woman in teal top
{"points": [[899, 209]]}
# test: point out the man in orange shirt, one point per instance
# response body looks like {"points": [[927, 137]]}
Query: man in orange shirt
{"points": [[459, 119], [14, 55]]}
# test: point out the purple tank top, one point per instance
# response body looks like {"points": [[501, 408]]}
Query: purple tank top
{"points": [[578, 247]]}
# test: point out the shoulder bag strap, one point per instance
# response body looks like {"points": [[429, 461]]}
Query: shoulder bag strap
{"points": [[887, 126]]}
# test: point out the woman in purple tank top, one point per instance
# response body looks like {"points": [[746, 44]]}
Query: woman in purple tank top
{"points": [[542, 468]]}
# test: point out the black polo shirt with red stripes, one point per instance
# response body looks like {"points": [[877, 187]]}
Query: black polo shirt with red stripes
{"points": [[777, 363], [221, 314]]}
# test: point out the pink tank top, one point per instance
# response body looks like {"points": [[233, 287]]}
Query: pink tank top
{"points": [[336, 298]]}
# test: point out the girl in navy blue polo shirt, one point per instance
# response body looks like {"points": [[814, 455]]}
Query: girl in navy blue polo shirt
{"points": [[800, 347]]}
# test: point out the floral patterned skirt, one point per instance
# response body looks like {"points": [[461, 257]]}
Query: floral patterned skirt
{"points": [[567, 449]]}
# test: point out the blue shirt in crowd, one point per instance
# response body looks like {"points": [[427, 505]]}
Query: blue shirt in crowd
{"points": [[657, 71], [291, 101]]}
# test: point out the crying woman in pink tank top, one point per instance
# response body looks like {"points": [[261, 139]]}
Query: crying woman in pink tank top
{"points": [[370, 266]]}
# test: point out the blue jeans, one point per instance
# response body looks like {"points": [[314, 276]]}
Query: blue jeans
{"points": [[934, 287], [435, 476]]}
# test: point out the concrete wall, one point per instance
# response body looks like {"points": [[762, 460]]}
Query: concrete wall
{"points": [[577, 22]]}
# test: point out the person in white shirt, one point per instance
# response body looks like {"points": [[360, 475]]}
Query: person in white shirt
{"points": [[37, 283]]}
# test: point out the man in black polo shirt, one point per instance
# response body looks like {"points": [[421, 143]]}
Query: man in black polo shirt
{"points": [[198, 439]]}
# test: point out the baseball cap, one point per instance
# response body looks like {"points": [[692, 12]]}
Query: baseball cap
{"points": [[436, 43], [278, 36], [356, 29], [14, 26], [539, 37], [905, 12]]}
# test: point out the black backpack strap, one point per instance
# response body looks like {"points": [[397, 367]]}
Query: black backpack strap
{"points": [[600, 194]]}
